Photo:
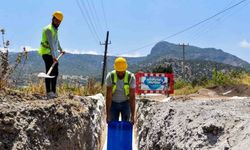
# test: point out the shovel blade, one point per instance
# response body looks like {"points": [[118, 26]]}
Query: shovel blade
{"points": [[44, 75]]}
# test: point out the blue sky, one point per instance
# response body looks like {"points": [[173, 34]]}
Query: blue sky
{"points": [[132, 24]]}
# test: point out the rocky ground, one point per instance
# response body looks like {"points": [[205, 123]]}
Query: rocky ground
{"points": [[186, 123], [69, 122]]}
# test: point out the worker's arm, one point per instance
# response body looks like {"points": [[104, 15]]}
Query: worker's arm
{"points": [[132, 104], [60, 48], [108, 102], [51, 41], [132, 86]]}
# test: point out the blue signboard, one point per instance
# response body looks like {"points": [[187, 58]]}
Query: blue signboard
{"points": [[154, 83]]}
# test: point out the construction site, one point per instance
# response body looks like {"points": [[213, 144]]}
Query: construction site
{"points": [[63, 87]]}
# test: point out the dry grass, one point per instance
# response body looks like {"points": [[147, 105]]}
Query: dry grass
{"points": [[91, 88], [2, 84], [38, 88], [187, 90], [245, 79]]}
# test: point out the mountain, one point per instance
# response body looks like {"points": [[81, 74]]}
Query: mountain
{"points": [[166, 49]]}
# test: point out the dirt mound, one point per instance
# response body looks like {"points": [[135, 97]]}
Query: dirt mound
{"points": [[208, 93], [27, 122], [232, 90]]}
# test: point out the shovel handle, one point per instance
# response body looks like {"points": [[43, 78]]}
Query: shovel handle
{"points": [[53, 65]]}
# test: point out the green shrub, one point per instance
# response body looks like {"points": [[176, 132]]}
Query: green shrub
{"points": [[178, 84], [163, 69], [200, 82], [220, 78]]}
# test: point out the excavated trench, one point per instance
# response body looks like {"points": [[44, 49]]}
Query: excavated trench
{"points": [[68, 122], [78, 123]]}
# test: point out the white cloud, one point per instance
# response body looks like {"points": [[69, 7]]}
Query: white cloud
{"points": [[245, 44], [72, 51], [136, 54], [28, 48], [77, 51], [5, 50], [92, 52]]}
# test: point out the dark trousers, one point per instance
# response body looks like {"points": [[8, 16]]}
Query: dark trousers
{"points": [[50, 83], [117, 108]]}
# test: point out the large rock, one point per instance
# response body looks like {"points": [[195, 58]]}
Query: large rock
{"points": [[197, 124], [70, 122]]}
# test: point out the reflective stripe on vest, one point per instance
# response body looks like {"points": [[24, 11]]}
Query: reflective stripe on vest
{"points": [[44, 46], [126, 80]]}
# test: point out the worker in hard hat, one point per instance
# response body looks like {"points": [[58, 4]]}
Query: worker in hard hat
{"points": [[120, 96], [48, 48]]}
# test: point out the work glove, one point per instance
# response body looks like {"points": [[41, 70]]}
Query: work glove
{"points": [[55, 59], [62, 52]]}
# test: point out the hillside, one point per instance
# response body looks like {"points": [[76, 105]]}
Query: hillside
{"points": [[70, 64], [170, 50], [199, 62], [193, 70]]}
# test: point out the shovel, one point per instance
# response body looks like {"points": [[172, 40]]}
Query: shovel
{"points": [[44, 75]]}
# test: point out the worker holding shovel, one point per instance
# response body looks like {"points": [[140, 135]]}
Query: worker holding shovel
{"points": [[48, 48]]}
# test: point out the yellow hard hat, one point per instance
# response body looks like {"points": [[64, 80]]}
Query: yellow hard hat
{"points": [[120, 64], [58, 15]]}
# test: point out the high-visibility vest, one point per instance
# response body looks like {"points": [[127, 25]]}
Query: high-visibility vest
{"points": [[126, 80], [44, 46]]}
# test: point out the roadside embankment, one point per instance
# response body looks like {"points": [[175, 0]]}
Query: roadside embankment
{"points": [[68, 122]]}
